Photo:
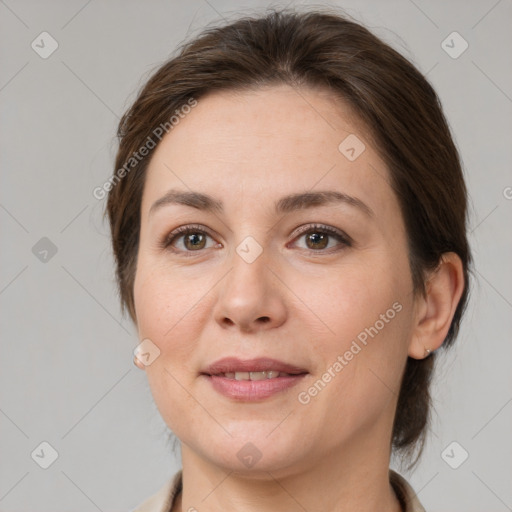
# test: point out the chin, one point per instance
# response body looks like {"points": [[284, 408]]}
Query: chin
{"points": [[255, 456]]}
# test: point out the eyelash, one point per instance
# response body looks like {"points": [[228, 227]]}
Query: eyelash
{"points": [[339, 235]]}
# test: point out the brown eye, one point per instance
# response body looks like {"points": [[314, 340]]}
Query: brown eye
{"points": [[194, 241], [322, 239], [317, 240], [188, 239]]}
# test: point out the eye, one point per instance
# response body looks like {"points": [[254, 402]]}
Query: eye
{"points": [[193, 238], [321, 238]]}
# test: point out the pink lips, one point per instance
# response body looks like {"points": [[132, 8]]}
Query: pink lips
{"points": [[252, 390]]}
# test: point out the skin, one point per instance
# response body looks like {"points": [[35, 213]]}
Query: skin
{"points": [[296, 302]]}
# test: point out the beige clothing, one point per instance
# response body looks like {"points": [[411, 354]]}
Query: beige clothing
{"points": [[163, 500]]}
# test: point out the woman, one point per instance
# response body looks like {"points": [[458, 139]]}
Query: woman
{"points": [[288, 216]]}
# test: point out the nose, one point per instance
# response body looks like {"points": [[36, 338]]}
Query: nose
{"points": [[250, 297]]}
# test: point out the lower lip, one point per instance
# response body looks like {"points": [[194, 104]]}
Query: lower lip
{"points": [[252, 390]]}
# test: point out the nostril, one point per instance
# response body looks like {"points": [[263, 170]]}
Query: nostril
{"points": [[264, 319]]}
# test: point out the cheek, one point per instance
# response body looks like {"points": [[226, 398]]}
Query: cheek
{"points": [[362, 357], [172, 308], [160, 305], [359, 325], [168, 316], [161, 297], [346, 299]]}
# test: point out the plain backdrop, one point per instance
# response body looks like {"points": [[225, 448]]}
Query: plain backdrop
{"points": [[66, 371]]}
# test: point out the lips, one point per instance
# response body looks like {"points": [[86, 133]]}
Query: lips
{"points": [[252, 380], [231, 366]]}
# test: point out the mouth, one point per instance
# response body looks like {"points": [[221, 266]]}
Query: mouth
{"points": [[264, 375], [252, 380], [252, 369]]}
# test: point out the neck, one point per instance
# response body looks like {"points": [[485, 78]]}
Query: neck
{"points": [[339, 481]]}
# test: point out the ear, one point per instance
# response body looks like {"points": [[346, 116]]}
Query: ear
{"points": [[435, 309]]}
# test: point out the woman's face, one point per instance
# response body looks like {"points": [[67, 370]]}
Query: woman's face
{"points": [[321, 283]]}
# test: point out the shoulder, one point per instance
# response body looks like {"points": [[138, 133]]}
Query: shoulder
{"points": [[405, 493], [162, 500]]}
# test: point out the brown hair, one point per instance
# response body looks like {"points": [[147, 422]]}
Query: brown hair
{"points": [[394, 100]]}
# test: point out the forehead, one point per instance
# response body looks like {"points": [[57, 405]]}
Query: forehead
{"points": [[249, 146]]}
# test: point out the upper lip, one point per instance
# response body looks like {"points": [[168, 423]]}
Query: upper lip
{"points": [[260, 364]]}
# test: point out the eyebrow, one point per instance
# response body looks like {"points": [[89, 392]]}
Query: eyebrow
{"points": [[286, 204]]}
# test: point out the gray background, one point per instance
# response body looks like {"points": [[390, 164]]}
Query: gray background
{"points": [[66, 374]]}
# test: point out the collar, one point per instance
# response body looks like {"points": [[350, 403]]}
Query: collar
{"points": [[163, 500]]}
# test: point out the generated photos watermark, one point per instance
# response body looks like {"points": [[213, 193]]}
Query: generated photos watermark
{"points": [[152, 140], [343, 360]]}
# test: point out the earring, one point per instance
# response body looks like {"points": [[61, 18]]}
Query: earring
{"points": [[138, 363], [427, 352]]}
